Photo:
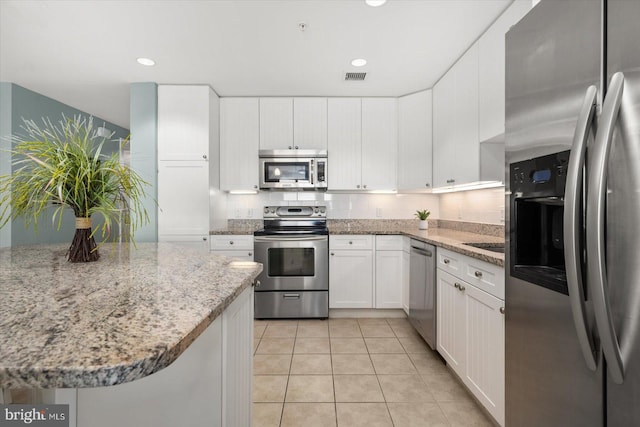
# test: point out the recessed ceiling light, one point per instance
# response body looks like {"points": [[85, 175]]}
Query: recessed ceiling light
{"points": [[375, 3], [359, 62], [146, 61]]}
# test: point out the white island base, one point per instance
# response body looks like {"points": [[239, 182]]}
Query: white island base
{"points": [[210, 384]]}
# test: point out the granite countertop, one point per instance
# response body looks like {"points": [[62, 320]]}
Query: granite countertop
{"points": [[441, 237], [126, 316]]}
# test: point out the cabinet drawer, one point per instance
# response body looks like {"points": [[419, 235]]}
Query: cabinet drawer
{"points": [[244, 255], [485, 276], [351, 241], [388, 243], [451, 262], [231, 242]]}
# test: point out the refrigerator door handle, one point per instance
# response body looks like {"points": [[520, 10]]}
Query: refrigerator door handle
{"points": [[596, 271], [572, 212]]}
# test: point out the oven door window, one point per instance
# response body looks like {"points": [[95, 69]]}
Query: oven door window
{"points": [[288, 262], [286, 171]]}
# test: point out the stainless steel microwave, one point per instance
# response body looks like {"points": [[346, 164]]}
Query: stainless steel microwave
{"points": [[293, 169]]}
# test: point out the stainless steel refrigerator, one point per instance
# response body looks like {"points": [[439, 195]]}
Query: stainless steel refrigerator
{"points": [[573, 215]]}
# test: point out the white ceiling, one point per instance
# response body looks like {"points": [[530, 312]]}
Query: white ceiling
{"points": [[83, 53]]}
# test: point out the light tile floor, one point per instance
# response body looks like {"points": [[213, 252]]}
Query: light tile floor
{"points": [[353, 372]]}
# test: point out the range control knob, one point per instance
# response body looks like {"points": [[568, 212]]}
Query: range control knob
{"points": [[273, 210], [266, 210], [316, 210], [323, 210]]}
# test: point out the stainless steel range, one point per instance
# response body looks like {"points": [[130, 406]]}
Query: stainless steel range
{"points": [[293, 246]]}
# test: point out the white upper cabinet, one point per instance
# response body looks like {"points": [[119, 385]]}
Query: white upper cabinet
{"points": [[276, 123], [415, 141], [345, 143], [467, 148], [310, 123], [239, 141], [379, 143], [183, 122], [443, 130], [491, 71]]}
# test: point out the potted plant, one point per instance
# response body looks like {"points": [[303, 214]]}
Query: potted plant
{"points": [[63, 165], [422, 215]]}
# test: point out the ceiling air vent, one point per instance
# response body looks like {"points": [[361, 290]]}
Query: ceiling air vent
{"points": [[355, 76]]}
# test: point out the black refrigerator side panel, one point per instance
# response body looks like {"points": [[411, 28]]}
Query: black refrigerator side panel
{"points": [[623, 210]]}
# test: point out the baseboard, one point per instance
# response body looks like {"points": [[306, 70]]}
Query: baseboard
{"points": [[366, 312]]}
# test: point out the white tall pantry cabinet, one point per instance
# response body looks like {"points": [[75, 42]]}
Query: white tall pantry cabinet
{"points": [[188, 145]]}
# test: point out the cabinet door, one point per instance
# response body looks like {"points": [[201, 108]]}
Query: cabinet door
{"points": [[415, 141], [379, 143], [276, 123], [183, 122], [406, 268], [351, 279], [491, 77], [451, 321], [388, 279], [344, 143], [484, 373], [467, 151], [239, 140], [237, 359], [444, 123], [183, 198], [310, 123]]}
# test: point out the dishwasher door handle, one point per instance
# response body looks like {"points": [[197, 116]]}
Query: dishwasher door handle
{"points": [[421, 251]]}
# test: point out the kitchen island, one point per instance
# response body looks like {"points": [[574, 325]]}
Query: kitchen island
{"points": [[92, 334]]}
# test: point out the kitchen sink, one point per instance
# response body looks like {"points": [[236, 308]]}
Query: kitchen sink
{"points": [[493, 247]]}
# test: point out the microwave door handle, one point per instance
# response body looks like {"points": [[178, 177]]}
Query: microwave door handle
{"points": [[596, 197], [572, 229]]}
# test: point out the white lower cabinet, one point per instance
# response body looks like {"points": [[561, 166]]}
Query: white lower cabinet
{"points": [[451, 321], [406, 268], [350, 272], [211, 381], [234, 246], [388, 272], [471, 337]]}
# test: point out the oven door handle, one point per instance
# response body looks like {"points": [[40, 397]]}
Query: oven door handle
{"points": [[289, 239], [572, 230]]}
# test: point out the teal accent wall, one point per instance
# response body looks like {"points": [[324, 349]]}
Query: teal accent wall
{"points": [[144, 158], [5, 145], [24, 103]]}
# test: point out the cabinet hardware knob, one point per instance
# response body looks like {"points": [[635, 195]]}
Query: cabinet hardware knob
{"points": [[358, 186], [501, 310], [427, 185], [290, 147], [250, 254], [231, 242], [350, 242], [446, 261], [365, 186], [204, 238], [332, 253], [255, 186], [478, 274], [204, 156], [456, 285], [296, 147], [257, 283], [462, 288]]}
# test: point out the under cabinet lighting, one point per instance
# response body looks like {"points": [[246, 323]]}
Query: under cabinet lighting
{"points": [[243, 192], [471, 186], [375, 3]]}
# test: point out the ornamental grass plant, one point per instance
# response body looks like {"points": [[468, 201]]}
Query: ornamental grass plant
{"points": [[63, 165]]}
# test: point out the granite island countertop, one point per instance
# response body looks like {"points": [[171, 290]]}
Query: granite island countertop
{"points": [[126, 316]]}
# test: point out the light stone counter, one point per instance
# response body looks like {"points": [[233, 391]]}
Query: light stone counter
{"points": [[124, 317]]}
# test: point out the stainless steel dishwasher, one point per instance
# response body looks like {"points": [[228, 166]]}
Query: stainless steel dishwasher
{"points": [[422, 291]]}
